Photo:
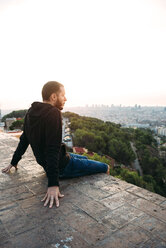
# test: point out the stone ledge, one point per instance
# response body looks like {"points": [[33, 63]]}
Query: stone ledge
{"points": [[97, 210]]}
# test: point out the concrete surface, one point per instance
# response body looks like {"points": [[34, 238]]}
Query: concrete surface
{"points": [[97, 211]]}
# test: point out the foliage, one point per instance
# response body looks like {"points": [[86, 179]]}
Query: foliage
{"points": [[69, 114], [111, 139], [162, 148], [121, 151], [133, 178], [16, 114], [97, 157], [163, 139], [17, 124], [101, 137], [151, 164], [144, 136]]}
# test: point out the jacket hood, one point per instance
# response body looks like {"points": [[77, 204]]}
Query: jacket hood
{"points": [[37, 112]]}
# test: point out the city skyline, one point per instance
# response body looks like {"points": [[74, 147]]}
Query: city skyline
{"points": [[116, 55], [83, 110]]}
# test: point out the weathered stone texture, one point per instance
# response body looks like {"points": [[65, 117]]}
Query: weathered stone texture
{"points": [[97, 210]]}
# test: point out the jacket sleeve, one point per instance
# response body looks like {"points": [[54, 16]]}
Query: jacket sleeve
{"points": [[21, 148], [53, 138]]}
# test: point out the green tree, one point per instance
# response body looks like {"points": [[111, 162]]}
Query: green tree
{"points": [[17, 125], [121, 151], [16, 114], [97, 157]]}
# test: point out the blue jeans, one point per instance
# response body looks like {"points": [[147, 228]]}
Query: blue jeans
{"points": [[81, 166]]}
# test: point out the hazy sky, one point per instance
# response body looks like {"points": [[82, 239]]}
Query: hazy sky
{"points": [[103, 51]]}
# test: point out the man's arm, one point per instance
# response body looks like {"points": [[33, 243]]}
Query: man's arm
{"points": [[21, 148], [53, 136]]}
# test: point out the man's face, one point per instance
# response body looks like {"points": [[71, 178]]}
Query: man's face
{"points": [[61, 98]]}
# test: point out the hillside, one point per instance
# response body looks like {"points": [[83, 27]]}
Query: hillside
{"points": [[16, 114], [107, 138]]}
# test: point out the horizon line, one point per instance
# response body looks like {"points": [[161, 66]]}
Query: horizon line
{"points": [[93, 106]]}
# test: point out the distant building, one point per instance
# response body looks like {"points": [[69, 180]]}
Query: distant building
{"points": [[9, 122], [161, 131], [136, 125], [2, 125], [79, 150], [90, 153], [67, 130], [163, 154], [158, 139]]}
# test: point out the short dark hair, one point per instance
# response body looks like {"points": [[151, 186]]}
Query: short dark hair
{"points": [[49, 88]]}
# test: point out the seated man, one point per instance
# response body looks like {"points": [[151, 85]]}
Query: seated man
{"points": [[43, 131]]}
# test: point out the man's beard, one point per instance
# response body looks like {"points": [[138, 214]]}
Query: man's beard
{"points": [[58, 104]]}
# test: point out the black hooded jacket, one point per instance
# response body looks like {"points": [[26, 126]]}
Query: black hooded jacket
{"points": [[43, 131]]}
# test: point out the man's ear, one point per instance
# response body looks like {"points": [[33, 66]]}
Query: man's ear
{"points": [[53, 97]]}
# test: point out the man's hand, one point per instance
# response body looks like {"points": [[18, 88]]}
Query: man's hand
{"points": [[7, 169], [52, 195]]}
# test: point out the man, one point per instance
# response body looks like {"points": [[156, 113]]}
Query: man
{"points": [[43, 131]]}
